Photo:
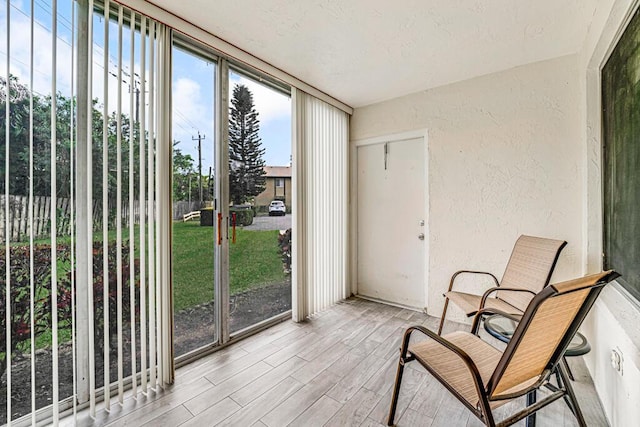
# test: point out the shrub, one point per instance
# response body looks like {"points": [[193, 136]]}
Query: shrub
{"points": [[20, 293], [244, 216], [284, 243], [98, 291]]}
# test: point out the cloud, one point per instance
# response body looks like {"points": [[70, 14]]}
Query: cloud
{"points": [[20, 27], [190, 109], [193, 112], [271, 105]]}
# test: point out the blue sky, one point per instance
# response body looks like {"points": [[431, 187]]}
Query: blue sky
{"points": [[193, 110]]}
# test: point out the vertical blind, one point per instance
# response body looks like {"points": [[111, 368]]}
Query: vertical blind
{"points": [[84, 206], [320, 134], [134, 163]]}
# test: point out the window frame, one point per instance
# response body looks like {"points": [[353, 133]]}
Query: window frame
{"points": [[615, 148]]}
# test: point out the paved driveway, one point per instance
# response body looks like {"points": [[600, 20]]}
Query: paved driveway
{"points": [[261, 223]]}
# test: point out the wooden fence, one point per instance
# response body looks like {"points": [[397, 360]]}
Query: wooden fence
{"points": [[19, 216], [180, 208]]}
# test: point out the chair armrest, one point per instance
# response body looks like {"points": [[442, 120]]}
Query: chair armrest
{"points": [[499, 288], [457, 273], [489, 310], [473, 370]]}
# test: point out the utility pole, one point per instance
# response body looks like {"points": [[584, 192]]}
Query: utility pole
{"points": [[199, 139]]}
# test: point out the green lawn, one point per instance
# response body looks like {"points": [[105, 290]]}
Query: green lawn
{"points": [[254, 261]]}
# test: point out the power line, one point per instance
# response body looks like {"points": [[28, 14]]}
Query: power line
{"points": [[183, 117], [27, 65], [39, 24], [63, 18], [180, 126]]}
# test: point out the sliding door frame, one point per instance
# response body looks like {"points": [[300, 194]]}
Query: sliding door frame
{"points": [[224, 66], [221, 210]]}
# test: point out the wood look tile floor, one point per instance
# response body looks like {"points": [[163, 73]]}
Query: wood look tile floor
{"points": [[336, 369]]}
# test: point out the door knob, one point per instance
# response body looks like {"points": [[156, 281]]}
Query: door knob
{"points": [[421, 236]]}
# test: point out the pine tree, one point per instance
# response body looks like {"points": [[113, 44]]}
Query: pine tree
{"points": [[246, 164]]}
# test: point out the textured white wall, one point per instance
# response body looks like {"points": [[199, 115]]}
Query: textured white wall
{"points": [[505, 159]]}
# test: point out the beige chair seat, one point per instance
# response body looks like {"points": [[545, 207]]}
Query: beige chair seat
{"points": [[452, 369], [470, 303]]}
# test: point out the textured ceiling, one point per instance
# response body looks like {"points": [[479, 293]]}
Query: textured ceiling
{"points": [[365, 51]]}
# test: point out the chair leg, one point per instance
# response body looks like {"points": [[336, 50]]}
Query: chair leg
{"points": [[566, 365], [560, 384], [531, 400], [571, 395], [396, 390], [444, 313]]}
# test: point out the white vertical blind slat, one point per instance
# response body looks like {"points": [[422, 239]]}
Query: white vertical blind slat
{"points": [[143, 207], [89, 211], [119, 211], [54, 204], [7, 235], [151, 207], [158, 262], [132, 288], [72, 161], [166, 309], [300, 202], [105, 209], [31, 230], [163, 165]]}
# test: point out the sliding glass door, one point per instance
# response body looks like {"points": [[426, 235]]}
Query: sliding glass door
{"points": [[260, 196], [193, 234], [231, 234]]}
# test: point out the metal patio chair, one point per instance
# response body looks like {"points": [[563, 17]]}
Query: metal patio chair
{"points": [[484, 378], [528, 271]]}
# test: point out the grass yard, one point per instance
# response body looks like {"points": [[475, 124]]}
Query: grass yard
{"points": [[255, 260]]}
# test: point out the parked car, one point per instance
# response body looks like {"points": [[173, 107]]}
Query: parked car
{"points": [[277, 207]]}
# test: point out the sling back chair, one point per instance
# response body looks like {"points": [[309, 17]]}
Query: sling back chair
{"points": [[527, 273], [484, 378]]}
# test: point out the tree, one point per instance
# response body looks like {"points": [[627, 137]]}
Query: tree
{"points": [[183, 176], [19, 144], [246, 164], [19, 137]]}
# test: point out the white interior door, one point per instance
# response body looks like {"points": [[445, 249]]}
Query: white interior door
{"points": [[391, 186]]}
